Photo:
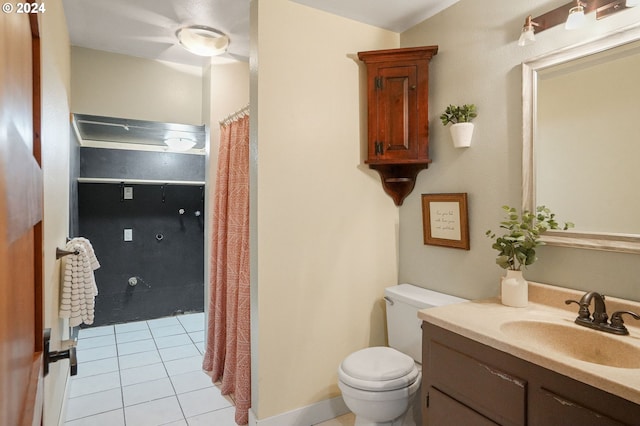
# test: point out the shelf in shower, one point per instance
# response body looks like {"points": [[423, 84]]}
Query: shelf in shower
{"points": [[141, 181]]}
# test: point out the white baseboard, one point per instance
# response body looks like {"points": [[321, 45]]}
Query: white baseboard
{"points": [[304, 416]]}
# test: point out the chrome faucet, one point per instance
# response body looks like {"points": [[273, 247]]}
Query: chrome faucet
{"points": [[599, 319]]}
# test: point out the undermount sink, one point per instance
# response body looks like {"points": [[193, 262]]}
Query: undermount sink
{"points": [[574, 341]]}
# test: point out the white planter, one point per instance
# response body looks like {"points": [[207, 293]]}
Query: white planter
{"points": [[461, 134], [515, 289]]}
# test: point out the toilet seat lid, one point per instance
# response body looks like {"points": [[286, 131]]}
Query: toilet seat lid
{"points": [[378, 368]]}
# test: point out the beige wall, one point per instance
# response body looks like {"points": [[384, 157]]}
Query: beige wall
{"points": [[479, 62], [55, 167], [326, 233], [229, 92], [114, 85]]}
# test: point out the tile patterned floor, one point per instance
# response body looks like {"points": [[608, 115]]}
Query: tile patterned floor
{"points": [[149, 373], [146, 373], [346, 420]]}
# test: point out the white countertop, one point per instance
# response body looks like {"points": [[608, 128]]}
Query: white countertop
{"points": [[482, 321]]}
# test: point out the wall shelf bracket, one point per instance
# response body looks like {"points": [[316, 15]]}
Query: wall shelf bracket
{"points": [[398, 180]]}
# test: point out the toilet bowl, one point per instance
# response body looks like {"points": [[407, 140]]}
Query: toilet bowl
{"points": [[379, 384]]}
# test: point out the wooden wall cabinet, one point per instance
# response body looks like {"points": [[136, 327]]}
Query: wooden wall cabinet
{"points": [[398, 115], [467, 383]]}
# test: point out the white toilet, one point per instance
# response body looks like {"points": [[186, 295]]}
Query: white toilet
{"points": [[379, 384]]}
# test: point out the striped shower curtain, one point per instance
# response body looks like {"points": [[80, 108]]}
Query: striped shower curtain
{"points": [[227, 357]]}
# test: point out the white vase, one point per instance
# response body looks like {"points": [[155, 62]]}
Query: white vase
{"points": [[461, 134], [515, 289]]}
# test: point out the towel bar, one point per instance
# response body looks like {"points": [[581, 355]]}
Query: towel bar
{"points": [[62, 253]]}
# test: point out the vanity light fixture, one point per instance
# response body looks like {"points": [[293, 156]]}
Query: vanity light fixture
{"points": [[202, 40], [527, 35], [576, 17], [573, 15], [179, 144]]}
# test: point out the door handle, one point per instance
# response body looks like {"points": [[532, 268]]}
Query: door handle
{"points": [[54, 356]]}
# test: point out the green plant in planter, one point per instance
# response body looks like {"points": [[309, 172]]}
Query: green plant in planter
{"points": [[517, 247], [459, 114]]}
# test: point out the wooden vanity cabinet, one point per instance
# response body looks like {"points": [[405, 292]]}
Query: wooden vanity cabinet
{"points": [[467, 383], [398, 122]]}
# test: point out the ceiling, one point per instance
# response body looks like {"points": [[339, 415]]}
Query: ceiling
{"points": [[394, 15], [146, 28]]}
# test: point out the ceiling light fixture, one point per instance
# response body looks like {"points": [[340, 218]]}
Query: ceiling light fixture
{"points": [[202, 40], [527, 36], [179, 144], [576, 17]]}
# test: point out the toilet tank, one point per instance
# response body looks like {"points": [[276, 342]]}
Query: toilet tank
{"points": [[403, 325]]}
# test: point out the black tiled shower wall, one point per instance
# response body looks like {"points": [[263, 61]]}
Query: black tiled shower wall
{"points": [[166, 255]]}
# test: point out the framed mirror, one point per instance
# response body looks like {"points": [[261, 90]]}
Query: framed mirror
{"points": [[581, 136]]}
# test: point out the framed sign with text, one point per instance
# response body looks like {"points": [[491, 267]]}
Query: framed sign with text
{"points": [[445, 220]]}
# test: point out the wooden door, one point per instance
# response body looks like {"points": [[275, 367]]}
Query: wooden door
{"points": [[21, 323]]}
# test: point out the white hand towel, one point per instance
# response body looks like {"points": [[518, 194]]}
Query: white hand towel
{"points": [[79, 288]]}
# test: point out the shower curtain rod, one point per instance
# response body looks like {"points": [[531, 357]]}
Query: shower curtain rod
{"points": [[235, 116]]}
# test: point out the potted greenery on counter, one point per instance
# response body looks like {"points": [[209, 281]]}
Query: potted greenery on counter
{"points": [[460, 118], [517, 248]]}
